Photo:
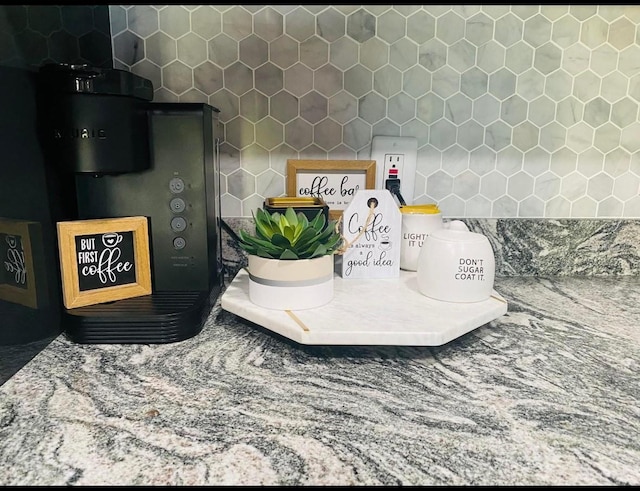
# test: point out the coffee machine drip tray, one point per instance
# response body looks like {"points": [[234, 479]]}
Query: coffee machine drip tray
{"points": [[162, 317]]}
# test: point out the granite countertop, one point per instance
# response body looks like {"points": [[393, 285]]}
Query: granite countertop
{"points": [[547, 394]]}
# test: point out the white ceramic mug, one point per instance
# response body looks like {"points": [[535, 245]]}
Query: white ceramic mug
{"points": [[418, 221], [456, 265]]}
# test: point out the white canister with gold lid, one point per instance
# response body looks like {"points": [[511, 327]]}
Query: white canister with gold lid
{"points": [[456, 265], [418, 221]]}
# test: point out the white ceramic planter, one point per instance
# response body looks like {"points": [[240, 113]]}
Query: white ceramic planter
{"points": [[290, 284]]}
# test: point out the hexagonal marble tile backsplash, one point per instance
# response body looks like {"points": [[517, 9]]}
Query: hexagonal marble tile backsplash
{"points": [[519, 110]]}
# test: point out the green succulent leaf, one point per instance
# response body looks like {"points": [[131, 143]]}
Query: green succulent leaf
{"points": [[290, 235], [264, 225], [318, 221], [289, 232], [288, 254], [306, 237], [265, 253], [320, 250], [280, 241], [291, 216]]}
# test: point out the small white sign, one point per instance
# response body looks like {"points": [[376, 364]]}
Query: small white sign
{"points": [[371, 228]]}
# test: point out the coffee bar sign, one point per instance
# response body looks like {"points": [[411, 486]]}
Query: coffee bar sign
{"points": [[371, 228], [334, 181], [104, 260]]}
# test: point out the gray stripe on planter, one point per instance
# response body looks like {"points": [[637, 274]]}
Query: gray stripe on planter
{"points": [[311, 282]]}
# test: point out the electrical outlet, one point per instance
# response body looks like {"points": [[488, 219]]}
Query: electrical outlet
{"points": [[393, 166], [396, 156]]}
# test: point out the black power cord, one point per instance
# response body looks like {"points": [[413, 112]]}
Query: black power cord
{"points": [[393, 185]]}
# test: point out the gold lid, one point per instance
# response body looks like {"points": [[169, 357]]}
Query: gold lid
{"points": [[430, 208], [295, 202]]}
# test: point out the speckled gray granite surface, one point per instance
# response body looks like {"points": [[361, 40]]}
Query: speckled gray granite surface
{"points": [[547, 394], [539, 247]]}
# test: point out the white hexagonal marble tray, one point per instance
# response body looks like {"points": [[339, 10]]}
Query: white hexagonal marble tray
{"points": [[368, 312]]}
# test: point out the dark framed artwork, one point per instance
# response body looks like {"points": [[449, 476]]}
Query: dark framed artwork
{"points": [[18, 278]]}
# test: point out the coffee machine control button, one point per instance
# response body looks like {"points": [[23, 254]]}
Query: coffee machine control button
{"points": [[179, 243], [176, 185], [178, 224], [177, 205]]}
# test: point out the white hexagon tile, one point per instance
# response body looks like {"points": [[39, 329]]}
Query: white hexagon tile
{"points": [[519, 110]]}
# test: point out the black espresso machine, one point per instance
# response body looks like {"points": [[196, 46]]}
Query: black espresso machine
{"points": [[112, 152]]}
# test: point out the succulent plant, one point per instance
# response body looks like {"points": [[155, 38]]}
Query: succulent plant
{"points": [[290, 235]]}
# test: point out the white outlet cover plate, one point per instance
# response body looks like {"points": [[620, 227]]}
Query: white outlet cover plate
{"points": [[368, 312], [405, 145]]}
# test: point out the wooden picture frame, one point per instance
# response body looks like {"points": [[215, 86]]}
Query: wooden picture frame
{"points": [[19, 281], [334, 181], [103, 260]]}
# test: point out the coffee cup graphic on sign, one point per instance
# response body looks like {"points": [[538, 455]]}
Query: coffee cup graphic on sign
{"points": [[111, 239]]}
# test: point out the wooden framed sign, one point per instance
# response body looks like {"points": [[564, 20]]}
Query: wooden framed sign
{"points": [[334, 181], [18, 278], [103, 260]]}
